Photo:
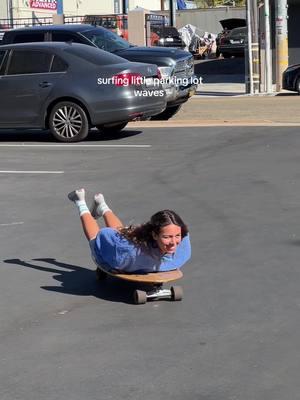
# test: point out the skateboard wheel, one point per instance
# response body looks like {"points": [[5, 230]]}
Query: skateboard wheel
{"points": [[176, 293], [139, 297], [100, 275]]}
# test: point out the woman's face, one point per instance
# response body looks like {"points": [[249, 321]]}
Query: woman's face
{"points": [[168, 238]]}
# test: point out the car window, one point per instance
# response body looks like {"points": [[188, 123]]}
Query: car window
{"points": [[65, 37], [58, 65], [2, 61], [106, 40], [28, 37], [29, 62]]}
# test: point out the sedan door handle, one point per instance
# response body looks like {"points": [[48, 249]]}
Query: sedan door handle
{"points": [[45, 84]]}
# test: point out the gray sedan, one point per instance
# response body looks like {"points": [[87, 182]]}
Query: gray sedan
{"points": [[69, 88]]}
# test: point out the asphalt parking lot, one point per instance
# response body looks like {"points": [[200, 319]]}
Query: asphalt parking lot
{"points": [[233, 337]]}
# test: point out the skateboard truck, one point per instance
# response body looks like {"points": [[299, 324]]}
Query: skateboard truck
{"points": [[175, 293]]}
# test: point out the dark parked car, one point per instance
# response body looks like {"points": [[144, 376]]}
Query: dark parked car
{"points": [[176, 65], [166, 36], [227, 25], [234, 43], [291, 78], [70, 87]]}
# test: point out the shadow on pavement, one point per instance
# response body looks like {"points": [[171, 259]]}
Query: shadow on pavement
{"points": [[79, 281], [34, 135], [97, 136], [287, 94], [25, 135], [217, 93], [230, 70]]}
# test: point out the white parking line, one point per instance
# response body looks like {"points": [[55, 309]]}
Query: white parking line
{"points": [[32, 172], [78, 146], [12, 223]]}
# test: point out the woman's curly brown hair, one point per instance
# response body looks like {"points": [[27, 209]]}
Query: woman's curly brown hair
{"points": [[142, 234]]}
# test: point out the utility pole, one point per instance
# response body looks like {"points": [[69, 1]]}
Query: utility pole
{"points": [[268, 59], [248, 54], [125, 6], [282, 50], [253, 46], [11, 13], [172, 13]]}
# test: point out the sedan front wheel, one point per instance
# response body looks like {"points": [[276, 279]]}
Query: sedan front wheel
{"points": [[68, 122]]}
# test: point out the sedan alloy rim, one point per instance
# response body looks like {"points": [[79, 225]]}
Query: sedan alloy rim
{"points": [[67, 122]]}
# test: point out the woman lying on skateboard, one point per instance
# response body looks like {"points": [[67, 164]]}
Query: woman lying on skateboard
{"points": [[162, 244]]}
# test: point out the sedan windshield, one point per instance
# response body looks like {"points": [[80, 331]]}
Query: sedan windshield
{"points": [[106, 40]]}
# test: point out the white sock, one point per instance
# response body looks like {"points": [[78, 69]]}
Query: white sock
{"points": [[100, 207], [82, 207], [78, 197]]}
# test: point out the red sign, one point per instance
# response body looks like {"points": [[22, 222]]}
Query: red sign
{"points": [[44, 4]]}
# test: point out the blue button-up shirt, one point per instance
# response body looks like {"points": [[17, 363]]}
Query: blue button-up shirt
{"points": [[113, 250]]}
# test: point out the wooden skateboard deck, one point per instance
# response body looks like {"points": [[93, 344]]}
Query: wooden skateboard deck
{"points": [[154, 279]]}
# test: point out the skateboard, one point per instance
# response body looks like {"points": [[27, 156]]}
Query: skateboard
{"points": [[154, 282]]}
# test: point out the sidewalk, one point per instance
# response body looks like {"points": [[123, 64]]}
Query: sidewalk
{"points": [[217, 90], [277, 109], [227, 104]]}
